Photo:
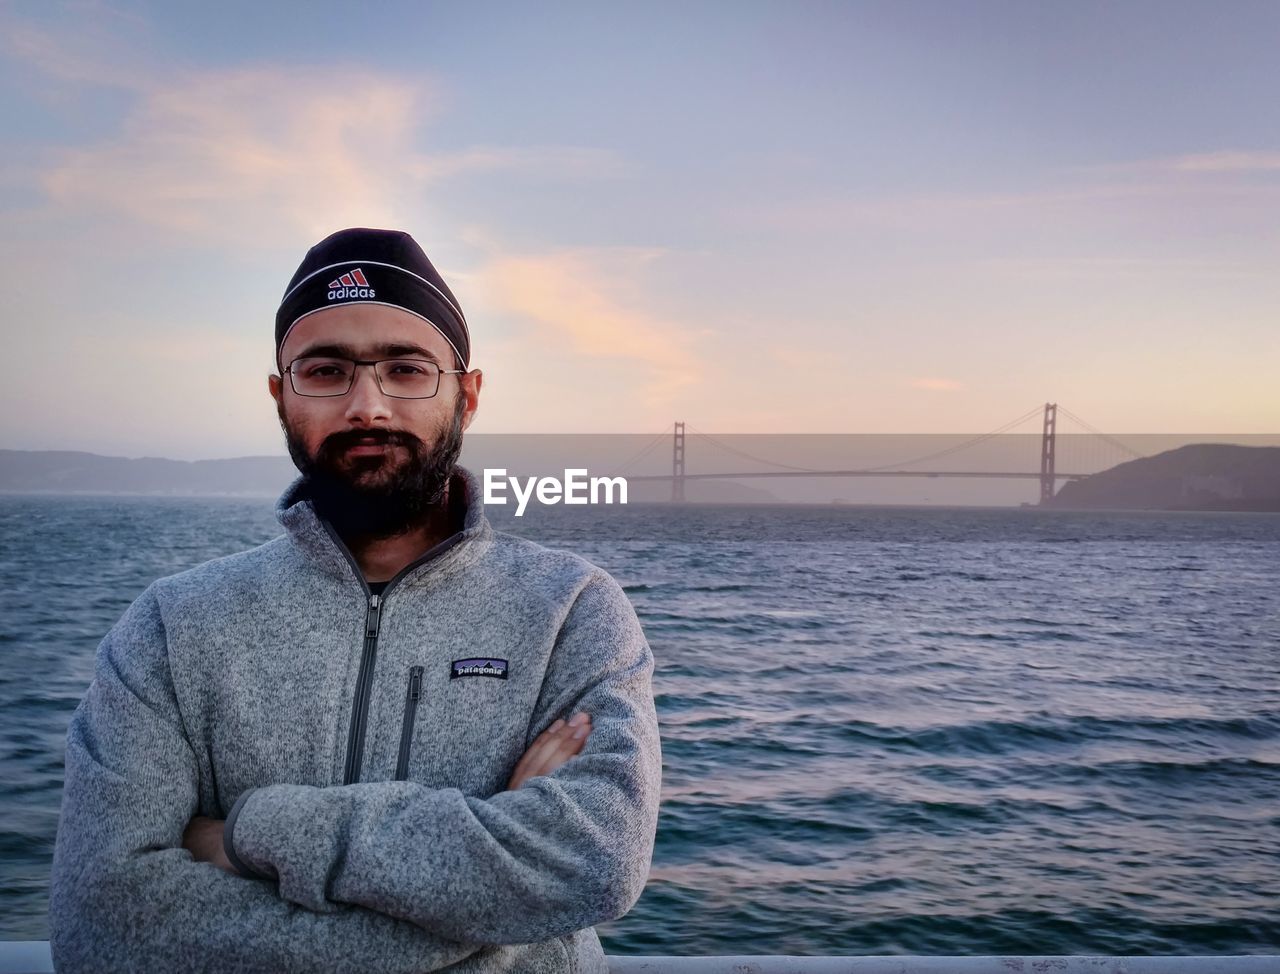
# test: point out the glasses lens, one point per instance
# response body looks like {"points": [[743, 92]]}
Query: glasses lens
{"points": [[402, 378], [321, 376], [409, 378]]}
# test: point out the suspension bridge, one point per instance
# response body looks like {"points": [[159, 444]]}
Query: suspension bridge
{"points": [[1049, 474]]}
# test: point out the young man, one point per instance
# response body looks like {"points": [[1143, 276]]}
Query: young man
{"points": [[391, 739]]}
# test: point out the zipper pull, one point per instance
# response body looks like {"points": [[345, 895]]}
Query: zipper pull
{"points": [[415, 683], [375, 611]]}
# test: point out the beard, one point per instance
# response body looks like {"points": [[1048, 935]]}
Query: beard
{"points": [[378, 495]]}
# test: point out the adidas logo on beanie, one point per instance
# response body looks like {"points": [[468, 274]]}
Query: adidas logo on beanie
{"points": [[364, 265]]}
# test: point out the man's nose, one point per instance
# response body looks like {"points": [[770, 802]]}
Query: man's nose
{"points": [[366, 401]]}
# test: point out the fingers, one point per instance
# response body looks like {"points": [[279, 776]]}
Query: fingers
{"points": [[559, 742], [541, 748], [523, 770], [532, 759], [553, 747]]}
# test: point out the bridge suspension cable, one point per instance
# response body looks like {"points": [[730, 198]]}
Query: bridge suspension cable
{"points": [[966, 444], [749, 456], [888, 466], [1097, 432], [661, 437]]}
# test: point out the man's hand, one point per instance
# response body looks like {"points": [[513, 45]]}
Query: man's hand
{"points": [[203, 837], [554, 746]]}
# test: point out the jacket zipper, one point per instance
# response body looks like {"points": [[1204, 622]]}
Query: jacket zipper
{"points": [[406, 731], [355, 739], [364, 681]]}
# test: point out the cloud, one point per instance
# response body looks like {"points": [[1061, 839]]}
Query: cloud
{"points": [[1160, 191], [1228, 162], [1124, 267], [258, 155], [252, 155], [936, 385], [82, 56], [1221, 161], [966, 212], [590, 302], [559, 161]]}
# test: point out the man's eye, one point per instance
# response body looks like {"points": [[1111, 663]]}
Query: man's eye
{"points": [[408, 368]]}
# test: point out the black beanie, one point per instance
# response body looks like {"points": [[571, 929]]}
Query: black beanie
{"points": [[365, 266]]}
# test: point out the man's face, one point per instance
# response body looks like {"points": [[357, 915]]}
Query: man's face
{"points": [[376, 465]]}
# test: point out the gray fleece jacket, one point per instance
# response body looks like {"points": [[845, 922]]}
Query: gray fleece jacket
{"points": [[359, 747]]}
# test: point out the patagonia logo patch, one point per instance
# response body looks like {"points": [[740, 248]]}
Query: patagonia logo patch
{"points": [[480, 666]]}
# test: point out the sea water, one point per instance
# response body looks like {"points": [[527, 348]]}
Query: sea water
{"points": [[885, 730]]}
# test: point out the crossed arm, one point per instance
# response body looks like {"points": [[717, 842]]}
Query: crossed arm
{"points": [[406, 877], [206, 840]]}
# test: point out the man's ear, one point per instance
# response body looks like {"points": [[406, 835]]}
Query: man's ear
{"points": [[471, 389], [274, 383]]}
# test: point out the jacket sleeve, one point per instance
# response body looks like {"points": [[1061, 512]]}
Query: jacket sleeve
{"points": [[562, 853], [126, 896]]}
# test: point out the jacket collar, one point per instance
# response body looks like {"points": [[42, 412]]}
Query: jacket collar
{"points": [[322, 546]]}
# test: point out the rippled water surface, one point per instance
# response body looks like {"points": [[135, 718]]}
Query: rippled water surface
{"points": [[884, 731]]}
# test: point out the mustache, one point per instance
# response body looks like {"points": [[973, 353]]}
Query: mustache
{"points": [[339, 442]]}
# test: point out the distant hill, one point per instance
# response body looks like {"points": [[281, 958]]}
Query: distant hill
{"points": [[1196, 477], [72, 472]]}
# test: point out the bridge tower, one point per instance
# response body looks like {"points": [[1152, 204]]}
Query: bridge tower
{"points": [[1048, 445], [677, 466]]}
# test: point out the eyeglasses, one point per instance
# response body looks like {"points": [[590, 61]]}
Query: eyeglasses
{"points": [[400, 378]]}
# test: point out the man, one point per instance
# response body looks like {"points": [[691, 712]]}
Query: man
{"points": [[347, 749]]}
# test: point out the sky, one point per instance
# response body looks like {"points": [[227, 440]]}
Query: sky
{"points": [[786, 217]]}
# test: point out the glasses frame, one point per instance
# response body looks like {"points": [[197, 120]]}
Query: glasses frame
{"points": [[376, 375]]}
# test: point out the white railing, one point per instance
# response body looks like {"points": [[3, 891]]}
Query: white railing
{"points": [[904, 964], [32, 957]]}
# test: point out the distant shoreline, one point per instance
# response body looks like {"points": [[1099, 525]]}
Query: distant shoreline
{"points": [[1029, 508], [1194, 478]]}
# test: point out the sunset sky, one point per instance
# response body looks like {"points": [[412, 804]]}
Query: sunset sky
{"points": [[755, 217]]}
